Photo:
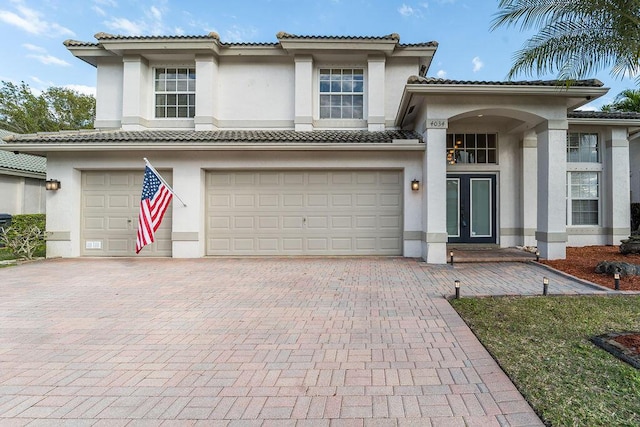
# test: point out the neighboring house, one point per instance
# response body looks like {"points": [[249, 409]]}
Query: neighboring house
{"points": [[311, 146], [22, 178]]}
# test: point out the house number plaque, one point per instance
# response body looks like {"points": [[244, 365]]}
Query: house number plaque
{"points": [[437, 124]]}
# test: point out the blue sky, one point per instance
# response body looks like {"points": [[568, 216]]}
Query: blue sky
{"points": [[32, 32]]}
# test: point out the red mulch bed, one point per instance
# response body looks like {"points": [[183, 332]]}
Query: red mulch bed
{"points": [[581, 262]]}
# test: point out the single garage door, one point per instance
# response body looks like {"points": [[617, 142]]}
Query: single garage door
{"points": [[110, 206], [304, 213]]}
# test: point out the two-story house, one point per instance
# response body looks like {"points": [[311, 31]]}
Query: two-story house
{"points": [[317, 145]]}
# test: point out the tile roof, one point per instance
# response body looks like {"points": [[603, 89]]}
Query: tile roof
{"points": [[218, 137], [603, 115], [214, 36], [21, 162], [284, 35], [438, 81]]}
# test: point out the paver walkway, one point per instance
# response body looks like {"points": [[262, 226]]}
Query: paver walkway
{"points": [[332, 341]]}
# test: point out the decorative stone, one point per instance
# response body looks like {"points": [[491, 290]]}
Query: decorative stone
{"points": [[612, 267], [630, 245]]}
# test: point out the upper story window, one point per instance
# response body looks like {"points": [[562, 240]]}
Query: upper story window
{"points": [[583, 148], [175, 92], [341, 93], [472, 148]]}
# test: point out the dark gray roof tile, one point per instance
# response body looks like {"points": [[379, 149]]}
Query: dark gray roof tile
{"points": [[604, 115], [217, 137], [438, 81]]}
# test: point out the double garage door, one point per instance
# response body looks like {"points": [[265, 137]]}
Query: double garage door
{"points": [[257, 213], [304, 213]]}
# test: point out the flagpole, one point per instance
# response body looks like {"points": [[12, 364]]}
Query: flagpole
{"points": [[163, 181]]}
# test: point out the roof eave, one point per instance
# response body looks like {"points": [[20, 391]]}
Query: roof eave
{"points": [[43, 148]]}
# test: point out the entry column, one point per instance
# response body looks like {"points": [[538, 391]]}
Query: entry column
{"points": [[529, 187], [551, 231], [617, 209], [434, 219]]}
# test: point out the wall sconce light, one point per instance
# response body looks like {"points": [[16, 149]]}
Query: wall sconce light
{"points": [[52, 184], [415, 185]]}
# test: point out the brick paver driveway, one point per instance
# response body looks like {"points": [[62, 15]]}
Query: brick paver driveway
{"points": [[366, 341]]}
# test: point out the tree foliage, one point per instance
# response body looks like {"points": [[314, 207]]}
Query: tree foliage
{"points": [[626, 101], [55, 109], [575, 38]]}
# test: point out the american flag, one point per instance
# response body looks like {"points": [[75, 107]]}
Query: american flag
{"points": [[154, 203]]}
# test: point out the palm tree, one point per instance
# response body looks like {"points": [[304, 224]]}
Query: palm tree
{"points": [[628, 100], [575, 37]]}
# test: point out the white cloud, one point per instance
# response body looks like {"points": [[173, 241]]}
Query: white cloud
{"points": [[151, 24], [477, 64], [441, 74], [406, 10], [50, 60], [85, 90], [127, 27], [33, 47], [99, 10], [155, 13], [237, 34], [30, 20], [111, 3]]}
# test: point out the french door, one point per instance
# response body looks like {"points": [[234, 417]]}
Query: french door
{"points": [[471, 208]]}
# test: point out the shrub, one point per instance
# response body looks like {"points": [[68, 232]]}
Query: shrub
{"points": [[25, 237]]}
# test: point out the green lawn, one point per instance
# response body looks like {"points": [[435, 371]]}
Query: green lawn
{"points": [[542, 343]]}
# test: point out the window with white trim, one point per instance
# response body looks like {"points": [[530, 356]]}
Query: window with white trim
{"points": [[583, 198], [583, 148], [472, 148], [583, 178], [175, 92], [341, 93]]}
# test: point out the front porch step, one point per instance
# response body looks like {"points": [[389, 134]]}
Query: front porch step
{"points": [[493, 253]]}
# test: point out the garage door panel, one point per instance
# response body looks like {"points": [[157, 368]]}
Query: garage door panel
{"points": [[318, 200], [243, 223], [268, 223], [341, 200], [119, 201], [220, 200], [292, 222], [110, 207], [318, 222], [118, 224], [293, 200], [294, 178], [390, 178], [244, 201], [390, 200], [292, 244], [94, 201], [268, 200], [341, 244], [304, 212], [390, 243], [366, 200], [342, 178], [94, 223], [367, 178], [318, 178], [268, 244], [390, 221], [338, 222]]}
